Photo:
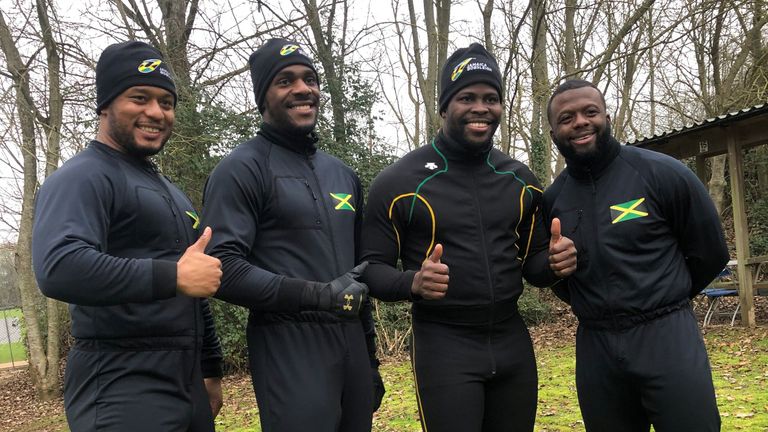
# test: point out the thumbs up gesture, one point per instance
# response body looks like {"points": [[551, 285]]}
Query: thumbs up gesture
{"points": [[431, 282], [197, 274], [562, 252]]}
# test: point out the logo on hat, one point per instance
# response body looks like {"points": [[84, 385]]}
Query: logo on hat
{"points": [[149, 65], [288, 49], [459, 69]]}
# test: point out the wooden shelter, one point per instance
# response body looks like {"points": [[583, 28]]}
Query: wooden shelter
{"points": [[729, 134]]}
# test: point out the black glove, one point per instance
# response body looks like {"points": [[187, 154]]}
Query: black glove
{"points": [[378, 389], [343, 295]]}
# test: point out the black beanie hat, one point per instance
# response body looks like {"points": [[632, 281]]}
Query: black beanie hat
{"points": [[272, 57], [129, 64], [465, 67]]}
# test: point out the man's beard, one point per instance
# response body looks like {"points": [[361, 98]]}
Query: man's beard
{"points": [[282, 121], [586, 158], [126, 139]]}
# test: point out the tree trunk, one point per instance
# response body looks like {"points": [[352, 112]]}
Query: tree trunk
{"points": [[717, 182], [437, 14], [45, 381], [334, 76], [540, 143]]}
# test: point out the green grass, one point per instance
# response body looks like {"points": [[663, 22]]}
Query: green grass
{"points": [[19, 353], [739, 360], [11, 313]]}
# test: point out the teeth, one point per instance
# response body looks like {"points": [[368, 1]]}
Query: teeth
{"points": [[149, 129], [300, 107], [478, 124]]}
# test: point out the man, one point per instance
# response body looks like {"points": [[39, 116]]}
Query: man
{"points": [[117, 240], [649, 240], [286, 218], [458, 205]]}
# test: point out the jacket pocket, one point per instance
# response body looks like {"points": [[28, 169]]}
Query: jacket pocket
{"points": [[296, 203], [156, 220]]}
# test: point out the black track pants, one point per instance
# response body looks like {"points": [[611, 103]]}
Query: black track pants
{"points": [[311, 376], [475, 378], [136, 391], [654, 373]]}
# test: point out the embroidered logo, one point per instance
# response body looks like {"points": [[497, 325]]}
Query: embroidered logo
{"points": [[149, 65], [431, 166], [288, 50], [342, 201], [629, 210], [459, 69], [195, 218], [348, 302]]}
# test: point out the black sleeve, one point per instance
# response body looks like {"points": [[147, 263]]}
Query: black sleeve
{"points": [[696, 224], [380, 247], [73, 214], [534, 238], [366, 313], [210, 361], [234, 196], [560, 288]]}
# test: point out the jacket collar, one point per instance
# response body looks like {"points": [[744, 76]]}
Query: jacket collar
{"points": [[456, 151], [597, 166], [302, 144]]}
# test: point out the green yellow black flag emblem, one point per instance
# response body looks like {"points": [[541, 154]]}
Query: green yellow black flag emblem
{"points": [[195, 218], [629, 210], [342, 201]]}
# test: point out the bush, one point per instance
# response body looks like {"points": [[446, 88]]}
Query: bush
{"points": [[230, 322], [393, 327], [534, 306]]}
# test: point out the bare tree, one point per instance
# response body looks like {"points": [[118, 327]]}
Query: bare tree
{"points": [[44, 347], [437, 16]]}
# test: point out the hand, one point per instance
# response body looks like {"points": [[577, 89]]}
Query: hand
{"points": [[378, 389], [343, 295], [431, 282], [562, 252], [197, 274], [215, 398]]}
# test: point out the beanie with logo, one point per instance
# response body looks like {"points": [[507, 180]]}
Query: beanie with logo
{"points": [[129, 64], [272, 57], [467, 66]]}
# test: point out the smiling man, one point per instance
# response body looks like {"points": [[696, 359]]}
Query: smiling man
{"points": [[649, 240], [464, 220], [113, 238], [287, 218]]}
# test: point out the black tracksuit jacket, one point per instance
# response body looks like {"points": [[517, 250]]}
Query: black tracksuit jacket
{"points": [[647, 234], [282, 213], [108, 232], [483, 208]]}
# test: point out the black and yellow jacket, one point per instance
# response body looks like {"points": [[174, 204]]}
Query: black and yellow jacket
{"points": [[646, 231], [484, 208]]}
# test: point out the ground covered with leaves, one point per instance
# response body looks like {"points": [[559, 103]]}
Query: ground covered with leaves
{"points": [[739, 360]]}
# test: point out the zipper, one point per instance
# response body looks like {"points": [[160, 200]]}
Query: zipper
{"points": [[196, 318], [597, 257], [324, 205], [488, 275]]}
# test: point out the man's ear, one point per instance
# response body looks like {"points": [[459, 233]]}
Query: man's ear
{"points": [[442, 114]]}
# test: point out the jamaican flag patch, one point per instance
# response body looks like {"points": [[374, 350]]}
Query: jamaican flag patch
{"points": [[629, 210]]}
